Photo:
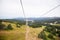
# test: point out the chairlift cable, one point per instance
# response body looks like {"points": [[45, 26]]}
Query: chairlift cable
{"points": [[50, 10], [24, 12]]}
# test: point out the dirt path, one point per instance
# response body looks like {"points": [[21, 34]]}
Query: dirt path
{"points": [[27, 32], [32, 33]]}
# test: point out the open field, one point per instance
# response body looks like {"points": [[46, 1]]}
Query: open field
{"points": [[19, 33], [16, 30]]}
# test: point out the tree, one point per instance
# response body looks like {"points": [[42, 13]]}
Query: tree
{"points": [[42, 35], [0, 21], [17, 25], [2, 26], [9, 27], [51, 36]]}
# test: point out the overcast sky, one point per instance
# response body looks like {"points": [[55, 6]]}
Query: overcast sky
{"points": [[32, 8]]}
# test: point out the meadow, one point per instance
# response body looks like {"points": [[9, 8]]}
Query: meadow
{"points": [[17, 30]]}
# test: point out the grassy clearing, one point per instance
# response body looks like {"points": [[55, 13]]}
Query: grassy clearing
{"points": [[33, 33], [19, 33], [12, 35], [15, 34]]}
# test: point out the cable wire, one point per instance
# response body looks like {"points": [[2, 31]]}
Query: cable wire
{"points": [[24, 13], [23, 9], [50, 10]]}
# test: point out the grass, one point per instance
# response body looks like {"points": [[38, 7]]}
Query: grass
{"points": [[15, 34], [12, 35], [19, 33]]}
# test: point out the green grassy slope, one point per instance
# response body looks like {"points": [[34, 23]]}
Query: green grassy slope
{"points": [[19, 33]]}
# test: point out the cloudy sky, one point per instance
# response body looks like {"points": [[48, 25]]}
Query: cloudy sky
{"points": [[32, 8]]}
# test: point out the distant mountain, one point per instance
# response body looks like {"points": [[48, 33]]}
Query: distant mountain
{"points": [[37, 19], [41, 18]]}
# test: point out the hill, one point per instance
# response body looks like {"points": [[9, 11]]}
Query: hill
{"points": [[43, 28]]}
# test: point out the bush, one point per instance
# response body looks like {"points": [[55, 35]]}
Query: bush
{"points": [[17, 25], [53, 32], [2, 26], [0, 20], [58, 32], [2, 37], [42, 35], [35, 25], [50, 36], [9, 27], [58, 35], [48, 29]]}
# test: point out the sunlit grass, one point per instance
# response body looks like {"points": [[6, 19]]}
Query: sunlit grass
{"points": [[15, 34], [12, 35], [19, 33]]}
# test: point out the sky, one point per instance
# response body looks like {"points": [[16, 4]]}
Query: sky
{"points": [[32, 8]]}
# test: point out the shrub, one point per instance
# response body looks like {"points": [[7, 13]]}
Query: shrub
{"points": [[42, 35], [17, 25], [2, 37], [58, 35], [53, 32], [58, 32], [0, 21], [50, 36], [35, 25], [2, 26], [9, 27], [48, 29]]}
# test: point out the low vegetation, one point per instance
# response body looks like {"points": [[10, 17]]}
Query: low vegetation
{"points": [[51, 32], [16, 30]]}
